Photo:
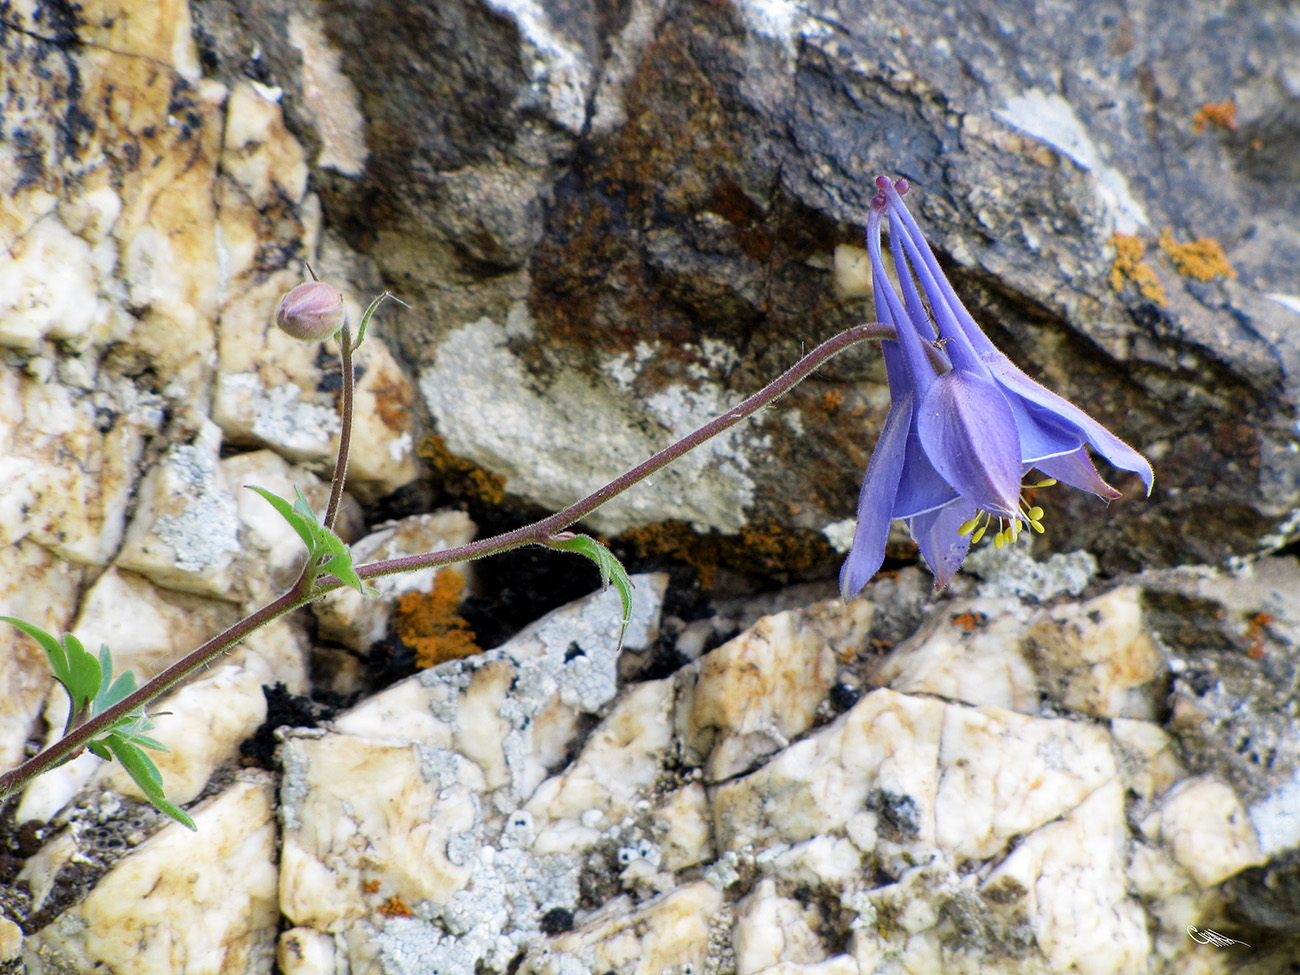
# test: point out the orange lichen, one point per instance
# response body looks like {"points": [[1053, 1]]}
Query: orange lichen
{"points": [[677, 540], [1222, 115], [429, 625], [370, 886], [1255, 634], [1129, 267], [461, 478], [968, 620], [395, 907], [1201, 259], [761, 548]]}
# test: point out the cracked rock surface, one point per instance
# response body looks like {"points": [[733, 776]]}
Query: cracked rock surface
{"points": [[609, 222]]}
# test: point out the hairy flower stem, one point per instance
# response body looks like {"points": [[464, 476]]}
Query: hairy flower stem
{"points": [[540, 532], [345, 429]]}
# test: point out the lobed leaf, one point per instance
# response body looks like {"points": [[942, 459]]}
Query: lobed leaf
{"points": [[304, 524], [611, 570], [74, 668]]}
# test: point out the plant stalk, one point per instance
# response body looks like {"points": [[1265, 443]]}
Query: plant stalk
{"points": [[304, 592]]}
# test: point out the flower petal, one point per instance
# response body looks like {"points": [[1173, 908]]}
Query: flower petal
{"points": [[969, 433], [936, 534], [1076, 470], [1042, 434], [1044, 401], [876, 501]]}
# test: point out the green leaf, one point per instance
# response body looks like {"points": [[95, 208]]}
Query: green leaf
{"points": [[304, 525], [611, 569], [365, 319], [146, 775], [340, 562], [78, 672], [121, 688], [303, 507]]}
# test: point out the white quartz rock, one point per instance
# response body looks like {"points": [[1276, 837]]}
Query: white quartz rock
{"points": [[1069, 878], [770, 929], [147, 628], [185, 532], [271, 392], [357, 810], [1207, 830], [1147, 756], [967, 657], [940, 775], [839, 965], [182, 901], [750, 696], [38, 588], [357, 621], [304, 951], [70, 458], [417, 792], [1094, 657], [667, 933], [618, 765], [1097, 656]]}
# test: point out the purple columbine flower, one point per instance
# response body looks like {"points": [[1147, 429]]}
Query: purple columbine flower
{"points": [[964, 424]]}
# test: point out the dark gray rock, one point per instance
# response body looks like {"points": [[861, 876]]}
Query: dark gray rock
{"points": [[678, 173]]}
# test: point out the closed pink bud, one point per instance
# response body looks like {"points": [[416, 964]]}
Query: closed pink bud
{"points": [[311, 312]]}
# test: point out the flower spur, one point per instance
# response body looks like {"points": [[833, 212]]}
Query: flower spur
{"points": [[964, 425]]}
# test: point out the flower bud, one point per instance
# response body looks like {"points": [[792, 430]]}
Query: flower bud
{"points": [[311, 312]]}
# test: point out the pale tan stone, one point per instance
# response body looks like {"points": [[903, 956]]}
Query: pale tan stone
{"points": [[161, 32], [184, 901], [749, 697], [1094, 657], [770, 929], [330, 97], [887, 741], [272, 553], [964, 657], [956, 779], [202, 724], [1005, 774], [40, 589], [618, 765], [1071, 873], [687, 827], [258, 152], [69, 480], [360, 810], [11, 939], [147, 628], [669, 930], [305, 951], [1148, 756], [1207, 830], [185, 531]]}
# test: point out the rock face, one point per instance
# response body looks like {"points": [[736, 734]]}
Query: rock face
{"points": [[610, 222], [613, 223]]}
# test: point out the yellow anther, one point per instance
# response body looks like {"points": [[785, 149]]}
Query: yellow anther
{"points": [[1029, 517]]}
